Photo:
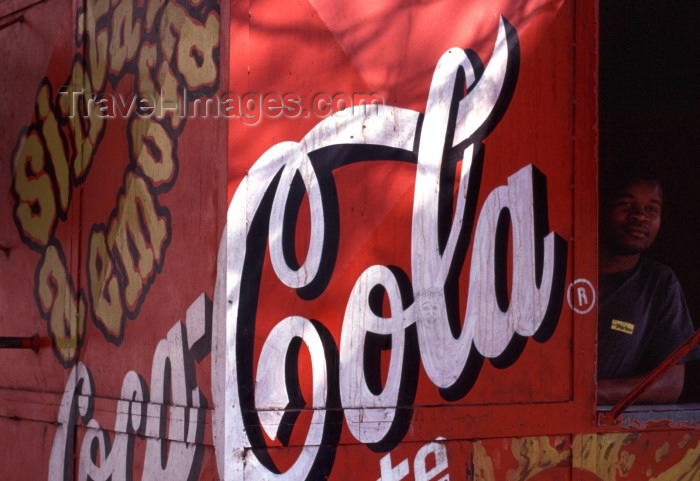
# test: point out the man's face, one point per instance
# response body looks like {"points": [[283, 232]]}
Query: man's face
{"points": [[632, 220]]}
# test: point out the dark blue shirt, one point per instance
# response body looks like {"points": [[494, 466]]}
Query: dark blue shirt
{"points": [[642, 318]]}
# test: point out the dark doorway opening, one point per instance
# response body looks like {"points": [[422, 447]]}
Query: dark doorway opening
{"points": [[649, 112]]}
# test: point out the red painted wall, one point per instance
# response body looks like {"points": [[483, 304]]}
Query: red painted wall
{"points": [[279, 289]]}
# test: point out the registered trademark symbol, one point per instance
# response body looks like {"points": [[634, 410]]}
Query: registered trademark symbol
{"points": [[581, 296]]}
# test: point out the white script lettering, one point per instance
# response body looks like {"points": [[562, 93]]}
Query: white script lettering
{"points": [[422, 310]]}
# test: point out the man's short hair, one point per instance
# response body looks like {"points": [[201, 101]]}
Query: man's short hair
{"points": [[624, 174]]}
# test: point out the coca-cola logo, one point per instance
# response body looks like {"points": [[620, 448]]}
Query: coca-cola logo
{"points": [[496, 321]]}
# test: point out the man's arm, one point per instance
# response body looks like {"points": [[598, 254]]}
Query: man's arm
{"points": [[667, 390]]}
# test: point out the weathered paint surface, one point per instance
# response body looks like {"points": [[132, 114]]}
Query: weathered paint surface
{"points": [[234, 278], [108, 182]]}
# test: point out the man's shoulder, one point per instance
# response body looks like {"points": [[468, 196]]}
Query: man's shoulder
{"points": [[654, 267], [660, 273]]}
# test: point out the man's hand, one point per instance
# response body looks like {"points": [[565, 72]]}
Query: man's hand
{"points": [[667, 390]]}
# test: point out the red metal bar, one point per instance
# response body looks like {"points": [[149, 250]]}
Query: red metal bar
{"points": [[20, 342], [673, 359]]}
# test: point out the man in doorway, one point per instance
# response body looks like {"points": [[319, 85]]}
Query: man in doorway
{"points": [[643, 316]]}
